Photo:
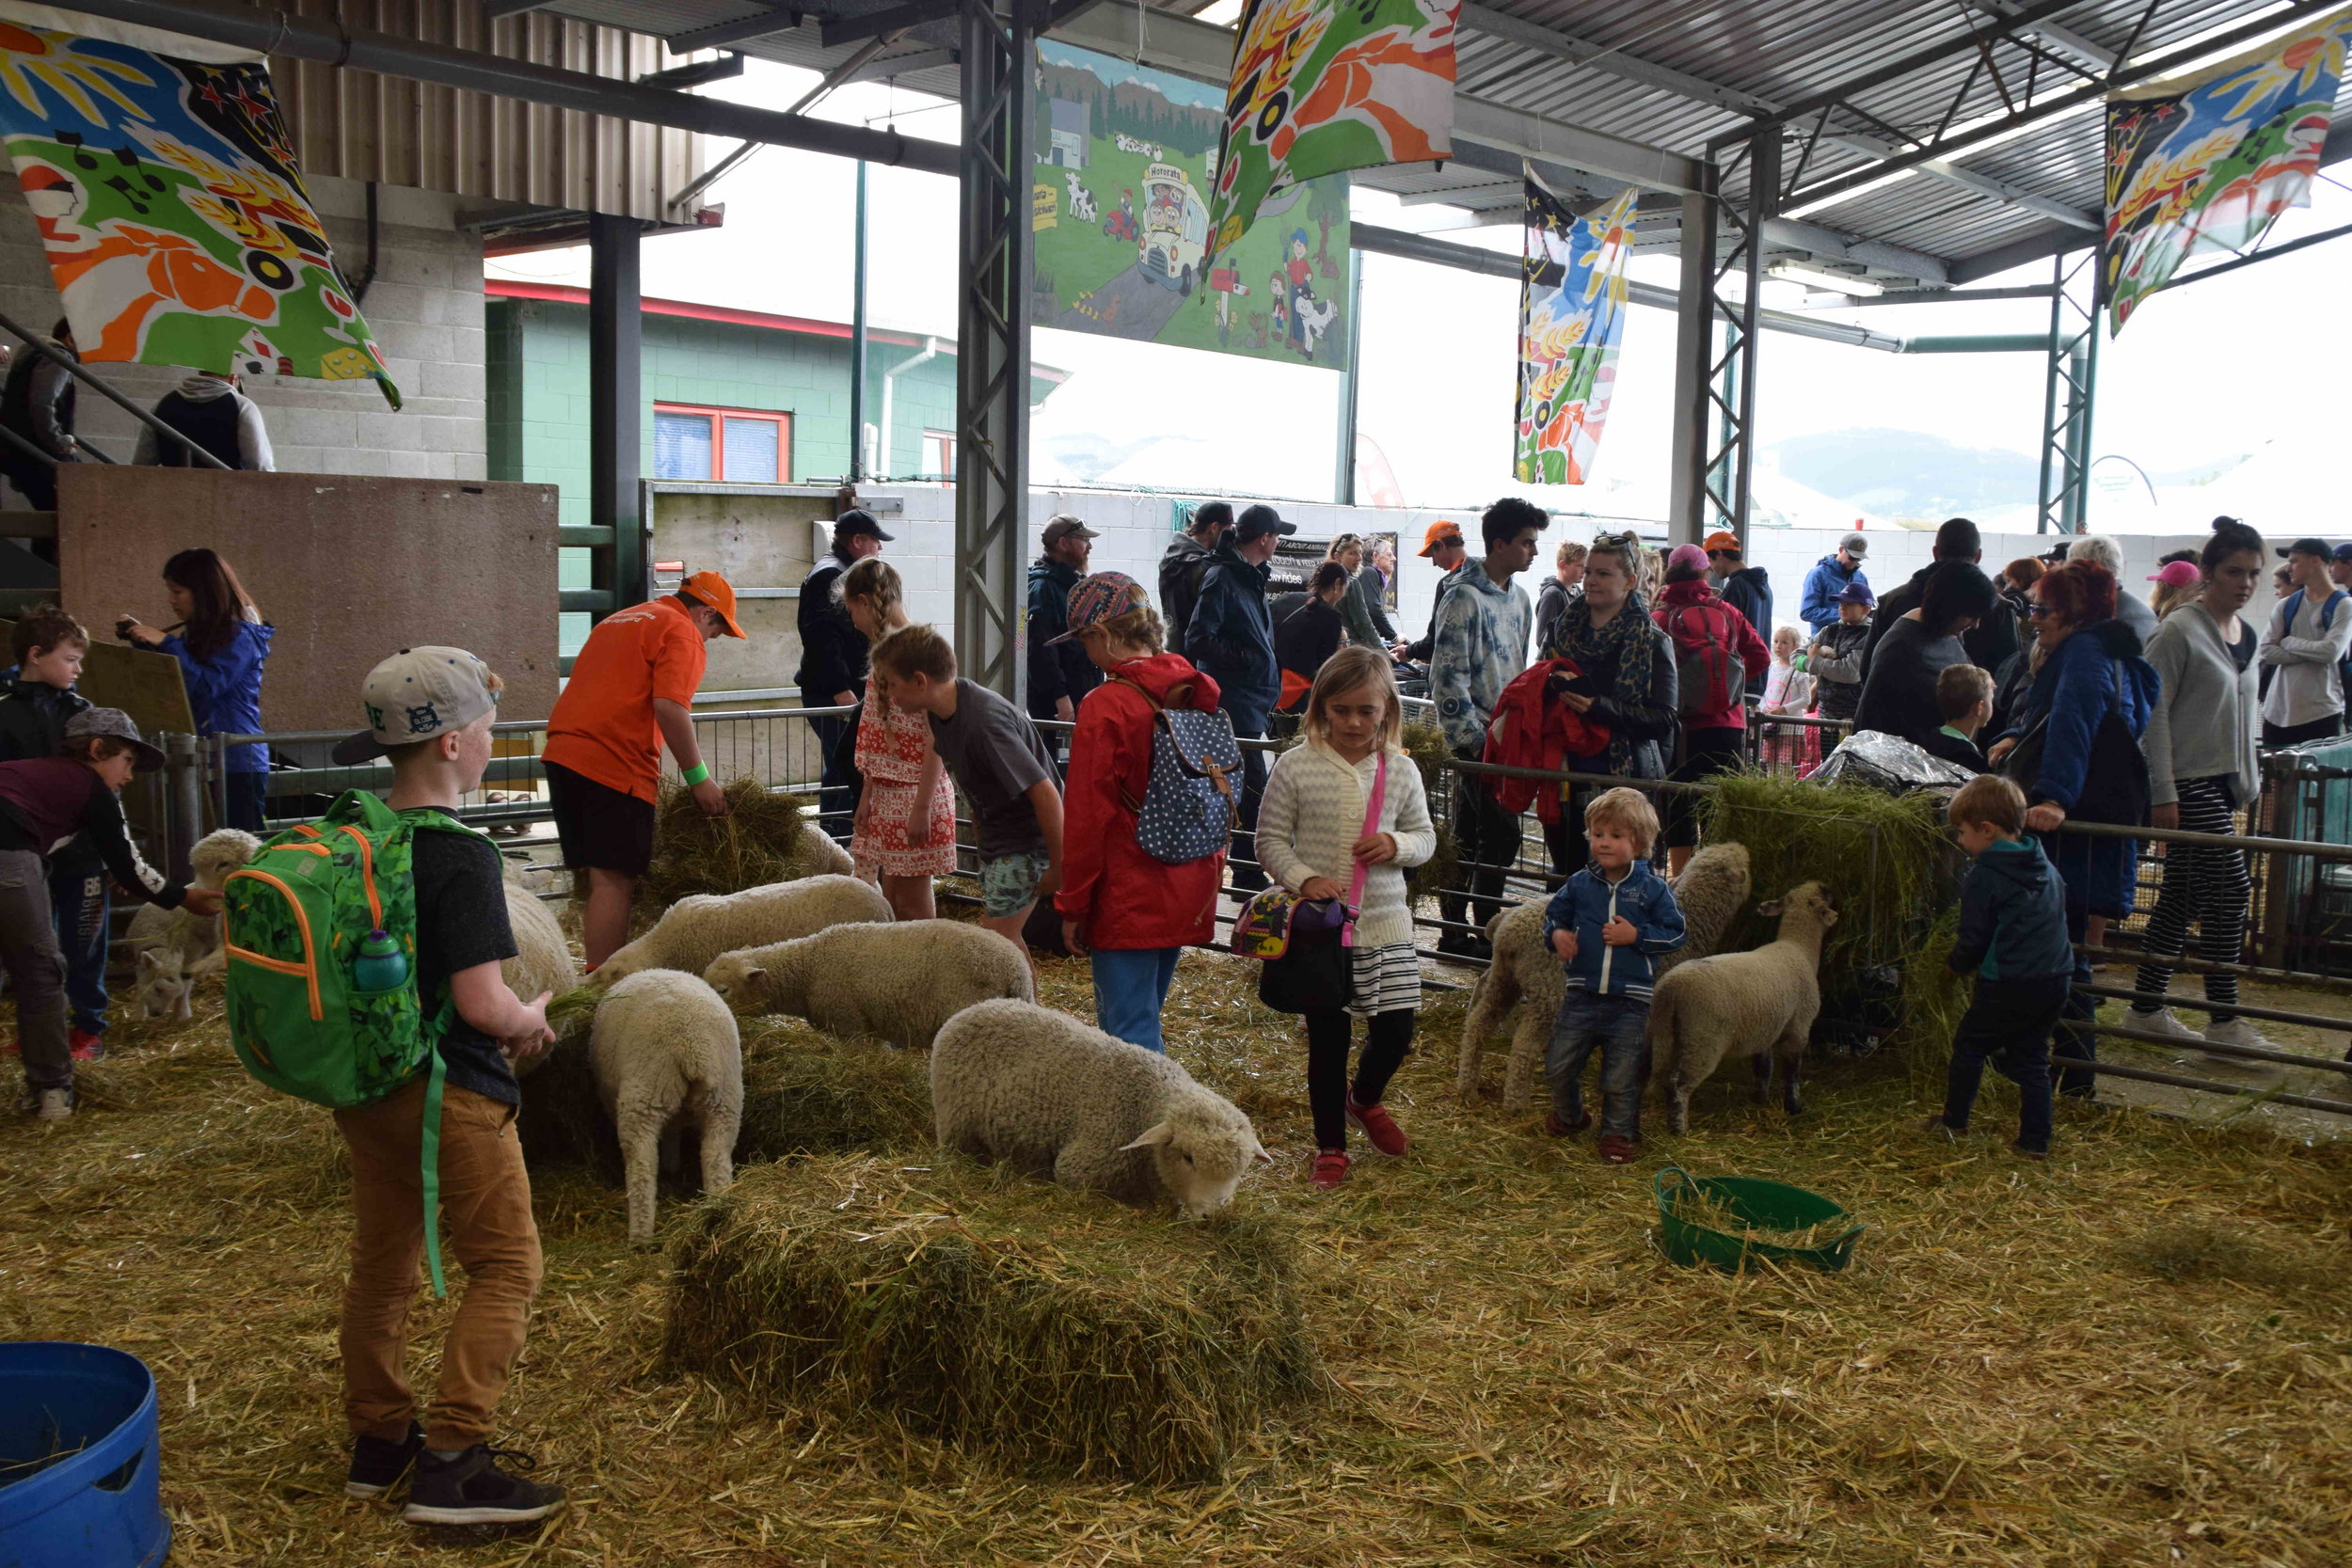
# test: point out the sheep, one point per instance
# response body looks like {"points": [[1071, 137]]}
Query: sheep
{"points": [[1759, 1004], [1015, 1082], [896, 982], [543, 960], [816, 855], [693, 932], [173, 948], [1711, 890], [667, 1055]]}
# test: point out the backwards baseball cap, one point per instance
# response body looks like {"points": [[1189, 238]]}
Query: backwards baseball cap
{"points": [[858, 520], [2344, 552], [718, 593], [1066, 527], [1856, 591], [115, 724], [1440, 533], [1855, 544], [1098, 598], [2319, 547], [2176, 573], [415, 695], [1721, 539], [1258, 521]]}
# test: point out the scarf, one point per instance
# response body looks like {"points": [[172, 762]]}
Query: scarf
{"points": [[1627, 644]]}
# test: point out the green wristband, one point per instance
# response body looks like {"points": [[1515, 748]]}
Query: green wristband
{"points": [[696, 774]]}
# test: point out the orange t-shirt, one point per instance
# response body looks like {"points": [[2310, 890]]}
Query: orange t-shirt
{"points": [[603, 726]]}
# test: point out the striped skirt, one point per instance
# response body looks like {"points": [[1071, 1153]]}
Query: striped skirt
{"points": [[1387, 979]]}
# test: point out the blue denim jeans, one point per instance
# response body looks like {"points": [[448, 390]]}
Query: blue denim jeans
{"points": [[1130, 988], [1619, 1027], [79, 896]]}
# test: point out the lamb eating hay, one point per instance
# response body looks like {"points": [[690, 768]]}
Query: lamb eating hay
{"points": [[171, 948], [1759, 1004], [1039, 1091], [667, 1055], [693, 932], [897, 982], [1712, 890]]}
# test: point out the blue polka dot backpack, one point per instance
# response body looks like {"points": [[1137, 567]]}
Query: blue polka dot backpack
{"points": [[1188, 807]]}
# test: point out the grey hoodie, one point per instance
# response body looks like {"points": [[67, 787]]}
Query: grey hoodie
{"points": [[253, 449], [2221, 713]]}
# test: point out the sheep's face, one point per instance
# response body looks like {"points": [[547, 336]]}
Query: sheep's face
{"points": [[742, 983], [215, 855], [164, 989], [1808, 903], [1202, 1163]]}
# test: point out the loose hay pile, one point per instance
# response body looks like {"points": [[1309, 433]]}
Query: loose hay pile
{"points": [[750, 846], [1050, 1329]]}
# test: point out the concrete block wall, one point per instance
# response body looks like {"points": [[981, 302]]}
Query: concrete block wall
{"points": [[424, 307]]}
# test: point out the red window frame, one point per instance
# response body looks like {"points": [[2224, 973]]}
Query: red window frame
{"points": [[781, 419], [947, 439]]}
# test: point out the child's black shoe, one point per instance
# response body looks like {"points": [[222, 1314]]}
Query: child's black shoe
{"points": [[377, 1463], [472, 1489]]}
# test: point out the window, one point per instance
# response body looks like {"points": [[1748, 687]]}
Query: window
{"points": [[742, 445], [939, 454]]}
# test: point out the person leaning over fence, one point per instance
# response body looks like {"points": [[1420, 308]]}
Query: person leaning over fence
{"points": [[833, 662], [44, 801], [632, 691], [1442, 546], [2204, 767], [905, 825], [1317, 828], [1963, 695], [1627, 684], [1715, 650], [1308, 629], [1232, 640], [38, 705], [222, 643], [1130, 914], [2306, 644], [2013, 938], [438, 749]]}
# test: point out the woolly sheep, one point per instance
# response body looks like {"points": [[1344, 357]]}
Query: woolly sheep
{"points": [[1759, 1004], [895, 982], [173, 948], [816, 855], [1525, 974], [543, 959], [666, 1055], [1037, 1089], [693, 932]]}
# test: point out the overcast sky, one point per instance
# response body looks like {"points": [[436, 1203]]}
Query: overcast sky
{"points": [[2243, 364]]}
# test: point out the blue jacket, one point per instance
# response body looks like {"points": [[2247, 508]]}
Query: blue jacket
{"points": [[1230, 638], [2097, 665], [1818, 609], [1587, 901], [225, 690], [1061, 669], [2012, 916]]}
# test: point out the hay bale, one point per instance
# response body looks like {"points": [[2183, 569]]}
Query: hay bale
{"points": [[1425, 744], [1053, 1331], [752, 846]]}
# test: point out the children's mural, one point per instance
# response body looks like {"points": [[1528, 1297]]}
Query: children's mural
{"points": [[173, 216], [1572, 301], [1125, 160]]}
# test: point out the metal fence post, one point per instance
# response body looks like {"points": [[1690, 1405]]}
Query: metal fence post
{"points": [[184, 799]]}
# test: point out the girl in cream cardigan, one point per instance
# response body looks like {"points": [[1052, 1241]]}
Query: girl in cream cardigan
{"points": [[1310, 836]]}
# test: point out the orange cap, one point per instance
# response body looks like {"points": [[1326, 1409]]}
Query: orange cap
{"points": [[1440, 533], [1720, 539], [718, 593]]}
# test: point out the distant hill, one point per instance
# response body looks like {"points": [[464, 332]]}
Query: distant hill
{"points": [[1908, 473]]}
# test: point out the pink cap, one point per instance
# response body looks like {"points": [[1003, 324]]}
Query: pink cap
{"points": [[1687, 555], [2178, 573]]}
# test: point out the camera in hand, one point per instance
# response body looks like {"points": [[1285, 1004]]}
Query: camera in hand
{"points": [[122, 629]]}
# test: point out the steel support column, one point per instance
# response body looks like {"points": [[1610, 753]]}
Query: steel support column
{"points": [[615, 410], [2070, 369], [1343, 459], [992, 342], [1727, 480], [1694, 358], [857, 337]]}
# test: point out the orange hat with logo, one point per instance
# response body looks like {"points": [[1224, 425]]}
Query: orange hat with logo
{"points": [[718, 593], [1722, 540], [1439, 533]]}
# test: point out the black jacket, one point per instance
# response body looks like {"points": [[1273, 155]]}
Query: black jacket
{"points": [[1375, 597], [1898, 694], [1838, 699], [1061, 669], [1989, 641], [833, 650], [1551, 599], [1952, 749], [1307, 632], [2012, 916], [32, 718], [1749, 590], [1180, 570]]}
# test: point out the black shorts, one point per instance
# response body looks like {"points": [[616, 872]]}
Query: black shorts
{"points": [[601, 827]]}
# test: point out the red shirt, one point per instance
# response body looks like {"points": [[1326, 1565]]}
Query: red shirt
{"points": [[603, 726]]}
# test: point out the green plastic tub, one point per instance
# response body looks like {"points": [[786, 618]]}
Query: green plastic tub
{"points": [[1767, 1205]]}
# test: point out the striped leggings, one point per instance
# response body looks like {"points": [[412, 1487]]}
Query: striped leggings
{"points": [[2209, 886]]}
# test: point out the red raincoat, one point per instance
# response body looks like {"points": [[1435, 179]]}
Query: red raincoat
{"points": [[1531, 731], [1120, 895]]}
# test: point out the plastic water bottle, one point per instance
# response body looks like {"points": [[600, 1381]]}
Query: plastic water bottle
{"points": [[381, 964]]}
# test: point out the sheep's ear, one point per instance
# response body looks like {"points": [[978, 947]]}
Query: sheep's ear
{"points": [[754, 973], [1769, 907], [1150, 1137], [148, 961], [1258, 1151]]}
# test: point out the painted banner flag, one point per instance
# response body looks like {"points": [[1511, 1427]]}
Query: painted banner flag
{"points": [[1322, 85], [2210, 166], [173, 215], [1572, 302]]}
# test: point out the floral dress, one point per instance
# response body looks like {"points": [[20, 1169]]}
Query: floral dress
{"points": [[892, 746]]}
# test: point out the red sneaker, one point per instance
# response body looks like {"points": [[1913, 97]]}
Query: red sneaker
{"points": [[1558, 1129], [1330, 1169], [1376, 1123], [85, 1046], [11, 1049], [1615, 1150]]}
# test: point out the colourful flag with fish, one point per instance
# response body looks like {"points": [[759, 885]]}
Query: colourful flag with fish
{"points": [[1323, 86], [2210, 165], [1572, 301], [173, 215]]}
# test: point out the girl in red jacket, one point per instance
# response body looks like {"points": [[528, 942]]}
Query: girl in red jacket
{"points": [[1128, 912]]}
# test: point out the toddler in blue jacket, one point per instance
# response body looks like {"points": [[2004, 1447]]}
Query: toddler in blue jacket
{"points": [[1608, 923]]}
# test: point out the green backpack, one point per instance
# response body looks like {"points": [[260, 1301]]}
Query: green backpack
{"points": [[310, 1013]]}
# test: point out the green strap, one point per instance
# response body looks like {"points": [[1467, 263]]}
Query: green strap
{"points": [[432, 1157]]}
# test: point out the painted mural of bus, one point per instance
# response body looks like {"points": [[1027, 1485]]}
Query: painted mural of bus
{"points": [[1175, 227]]}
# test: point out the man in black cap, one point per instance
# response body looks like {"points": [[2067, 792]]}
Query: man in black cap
{"points": [[1993, 640], [1186, 561], [1232, 640], [833, 662], [1059, 672]]}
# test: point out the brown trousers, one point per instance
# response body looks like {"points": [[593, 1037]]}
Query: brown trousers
{"points": [[486, 1226]]}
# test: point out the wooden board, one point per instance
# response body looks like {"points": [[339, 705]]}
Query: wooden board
{"points": [[349, 570]]}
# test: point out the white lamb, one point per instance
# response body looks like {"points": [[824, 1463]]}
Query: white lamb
{"points": [[895, 982], [693, 932], [1526, 974], [543, 959], [1759, 1004], [171, 949], [1039, 1090], [816, 855], [667, 1055]]}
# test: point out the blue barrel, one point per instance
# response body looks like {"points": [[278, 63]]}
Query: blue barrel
{"points": [[78, 1459]]}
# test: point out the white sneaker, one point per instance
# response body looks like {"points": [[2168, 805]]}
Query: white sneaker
{"points": [[55, 1104], [2161, 1022], [2237, 1030]]}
